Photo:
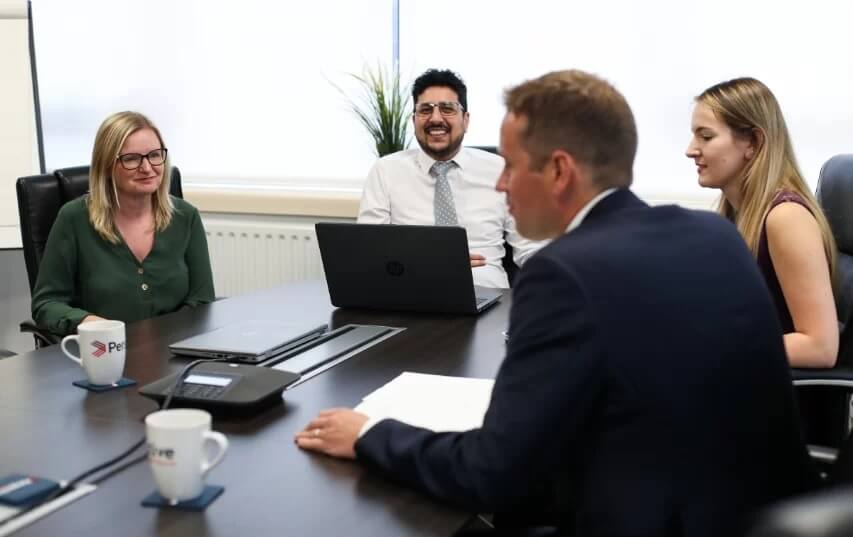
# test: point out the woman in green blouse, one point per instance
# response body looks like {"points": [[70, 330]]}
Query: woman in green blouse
{"points": [[127, 250]]}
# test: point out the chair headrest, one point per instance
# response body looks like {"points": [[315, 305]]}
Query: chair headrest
{"points": [[835, 195], [73, 182]]}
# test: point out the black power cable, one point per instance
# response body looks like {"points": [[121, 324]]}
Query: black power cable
{"points": [[179, 382]]}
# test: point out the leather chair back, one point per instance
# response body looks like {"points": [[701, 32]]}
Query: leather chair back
{"points": [[73, 182], [39, 201], [41, 196], [835, 195], [825, 513], [489, 148]]}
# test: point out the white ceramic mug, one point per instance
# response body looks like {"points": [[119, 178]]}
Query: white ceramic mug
{"points": [[176, 451], [102, 349]]}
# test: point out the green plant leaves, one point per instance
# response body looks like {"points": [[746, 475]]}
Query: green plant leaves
{"points": [[382, 108]]}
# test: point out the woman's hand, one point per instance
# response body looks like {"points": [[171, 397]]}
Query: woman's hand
{"points": [[90, 318]]}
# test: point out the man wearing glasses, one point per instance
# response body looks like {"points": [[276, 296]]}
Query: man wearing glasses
{"points": [[445, 184], [635, 399]]}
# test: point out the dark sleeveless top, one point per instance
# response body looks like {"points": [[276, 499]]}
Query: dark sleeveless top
{"points": [[765, 263]]}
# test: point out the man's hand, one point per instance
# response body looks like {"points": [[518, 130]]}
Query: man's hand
{"points": [[477, 260], [333, 432]]}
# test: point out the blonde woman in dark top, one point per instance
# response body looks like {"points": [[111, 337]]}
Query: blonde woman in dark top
{"points": [[127, 250], [741, 146]]}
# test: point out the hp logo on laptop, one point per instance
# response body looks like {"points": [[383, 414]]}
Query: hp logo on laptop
{"points": [[394, 268]]}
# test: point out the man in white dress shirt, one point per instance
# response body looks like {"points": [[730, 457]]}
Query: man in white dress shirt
{"points": [[415, 187]]}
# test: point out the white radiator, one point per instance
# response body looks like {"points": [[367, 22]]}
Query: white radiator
{"points": [[248, 253]]}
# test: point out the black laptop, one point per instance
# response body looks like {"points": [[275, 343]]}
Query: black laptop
{"points": [[405, 268]]}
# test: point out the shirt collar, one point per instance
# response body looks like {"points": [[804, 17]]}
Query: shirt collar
{"points": [[578, 219], [425, 161]]}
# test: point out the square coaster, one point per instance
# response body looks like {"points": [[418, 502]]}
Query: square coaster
{"points": [[86, 385], [210, 493], [21, 490]]}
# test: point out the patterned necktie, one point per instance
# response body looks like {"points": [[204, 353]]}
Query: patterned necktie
{"points": [[445, 210]]}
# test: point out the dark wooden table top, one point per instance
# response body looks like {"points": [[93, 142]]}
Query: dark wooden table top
{"points": [[54, 429]]}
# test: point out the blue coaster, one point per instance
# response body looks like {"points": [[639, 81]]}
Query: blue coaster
{"points": [[211, 492], [86, 385], [21, 490]]}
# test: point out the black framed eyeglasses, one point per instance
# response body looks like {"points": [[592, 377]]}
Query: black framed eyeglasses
{"points": [[445, 108], [132, 161]]}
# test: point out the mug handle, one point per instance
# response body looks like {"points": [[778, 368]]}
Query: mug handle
{"points": [[222, 443], [65, 340]]}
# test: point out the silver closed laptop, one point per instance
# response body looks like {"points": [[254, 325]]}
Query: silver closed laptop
{"points": [[248, 341]]}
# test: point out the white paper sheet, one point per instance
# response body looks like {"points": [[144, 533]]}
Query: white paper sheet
{"points": [[435, 402]]}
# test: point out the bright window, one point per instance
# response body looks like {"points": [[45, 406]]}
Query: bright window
{"points": [[660, 54], [242, 91]]}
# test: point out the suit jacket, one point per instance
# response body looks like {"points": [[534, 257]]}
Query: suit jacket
{"points": [[645, 391]]}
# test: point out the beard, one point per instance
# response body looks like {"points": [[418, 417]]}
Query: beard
{"points": [[445, 152]]}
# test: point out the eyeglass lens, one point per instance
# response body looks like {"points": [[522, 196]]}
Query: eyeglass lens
{"points": [[131, 161], [445, 108]]}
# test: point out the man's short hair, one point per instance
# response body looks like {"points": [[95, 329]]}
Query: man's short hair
{"points": [[441, 77], [582, 115]]}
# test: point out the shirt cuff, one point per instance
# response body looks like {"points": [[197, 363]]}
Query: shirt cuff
{"points": [[367, 425], [74, 317]]}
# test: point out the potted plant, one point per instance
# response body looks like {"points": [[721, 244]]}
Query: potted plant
{"points": [[382, 107]]}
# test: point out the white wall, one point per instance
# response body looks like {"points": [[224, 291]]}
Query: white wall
{"points": [[18, 147], [15, 301]]}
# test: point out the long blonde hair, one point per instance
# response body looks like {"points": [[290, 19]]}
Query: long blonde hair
{"points": [[749, 108], [103, 197]]}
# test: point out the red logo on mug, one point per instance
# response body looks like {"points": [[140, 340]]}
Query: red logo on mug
{"points": [[100, 349]]}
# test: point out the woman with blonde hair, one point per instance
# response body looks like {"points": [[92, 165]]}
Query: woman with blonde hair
{"points": [[127, 250], [741, 146]]}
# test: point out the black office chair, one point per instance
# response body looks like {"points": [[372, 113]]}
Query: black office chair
{"points": [[828, 392], [509, 264], [39, 199], [489, 148], [826, 513], [835, 195]]}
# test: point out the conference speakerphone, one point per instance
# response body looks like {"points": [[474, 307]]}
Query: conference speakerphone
{"points": [[222, 386], [226, 387]]}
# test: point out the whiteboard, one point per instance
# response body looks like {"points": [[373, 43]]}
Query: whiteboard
{"points": [[18, 138]]}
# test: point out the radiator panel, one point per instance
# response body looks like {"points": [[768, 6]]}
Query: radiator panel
{"points": [[247, 256]]}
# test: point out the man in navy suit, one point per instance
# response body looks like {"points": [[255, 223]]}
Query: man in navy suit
{"points": [[645, 390]]}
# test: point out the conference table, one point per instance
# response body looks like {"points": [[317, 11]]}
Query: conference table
{"points": [[53, 429]]}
